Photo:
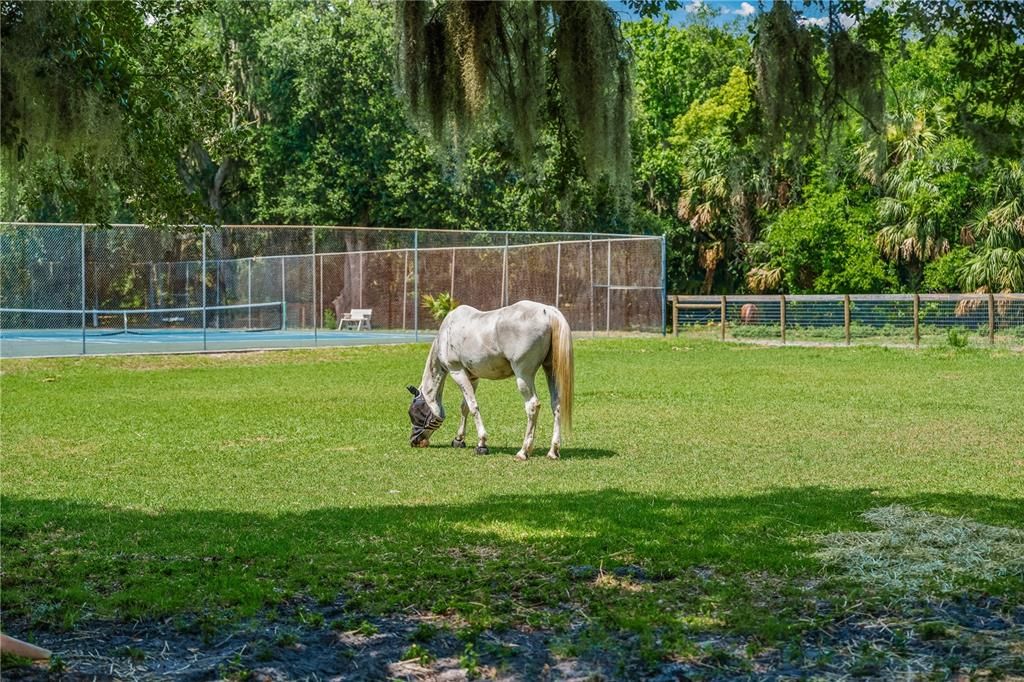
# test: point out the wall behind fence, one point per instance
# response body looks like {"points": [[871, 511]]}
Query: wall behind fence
{"points": [[67, 289], [896, 319]]}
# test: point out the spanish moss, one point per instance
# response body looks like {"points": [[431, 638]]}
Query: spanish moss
{"points": [[459, 61]]}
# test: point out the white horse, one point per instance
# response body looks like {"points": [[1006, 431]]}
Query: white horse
{"points": [[473, 345]]}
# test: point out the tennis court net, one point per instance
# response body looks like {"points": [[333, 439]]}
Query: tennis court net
{"points": [[244, 317]]}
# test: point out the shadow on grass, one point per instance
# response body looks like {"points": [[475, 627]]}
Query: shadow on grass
{"points": [[538, 452], [491, 553]]}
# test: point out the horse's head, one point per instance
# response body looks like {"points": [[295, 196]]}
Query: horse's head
{"points": [[424, 421]]}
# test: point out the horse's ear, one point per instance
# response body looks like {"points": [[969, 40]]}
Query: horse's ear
{"points": [[412, 389]]}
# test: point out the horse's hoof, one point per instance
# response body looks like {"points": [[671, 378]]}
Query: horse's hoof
{"points": [[482, 450], [458, 443], [552, 455], [521, 456]]}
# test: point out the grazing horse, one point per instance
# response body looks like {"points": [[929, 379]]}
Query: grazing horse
{"points": [[511, 341]]}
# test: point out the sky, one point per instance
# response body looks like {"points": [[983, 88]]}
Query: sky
{"points": [[728, 11]]}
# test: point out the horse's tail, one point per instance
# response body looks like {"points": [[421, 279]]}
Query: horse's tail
{"points": [[562, 368]]}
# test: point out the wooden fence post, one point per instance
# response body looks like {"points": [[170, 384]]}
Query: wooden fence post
{"points": [[846, 317], [917, 320], [675, 316], [991, 319], [723, 318], [782, 315]]}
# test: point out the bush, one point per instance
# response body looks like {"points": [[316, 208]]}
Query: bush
{"points": [[440, 305]]}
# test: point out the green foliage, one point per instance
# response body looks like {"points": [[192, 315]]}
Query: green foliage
{"points": [[943, 275], [825, 245], [519, 63], [440, 305], [997, 263], [99, 99], [957, 338], [278, 112]]}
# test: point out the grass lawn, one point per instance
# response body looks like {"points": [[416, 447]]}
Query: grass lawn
{"points": [[687, 507]]}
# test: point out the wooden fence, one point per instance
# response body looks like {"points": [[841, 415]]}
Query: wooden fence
{"points": [[905, 319]]}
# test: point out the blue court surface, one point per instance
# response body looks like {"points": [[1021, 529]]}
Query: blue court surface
{"points": [[22, 343]]}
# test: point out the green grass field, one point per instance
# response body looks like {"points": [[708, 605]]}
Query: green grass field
{"points": [[690, 499]]}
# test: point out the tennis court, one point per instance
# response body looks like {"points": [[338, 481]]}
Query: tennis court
{"points": [[88, 289], [52, 342]]}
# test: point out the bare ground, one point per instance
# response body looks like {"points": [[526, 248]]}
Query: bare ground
{"points": [[965, 637]]}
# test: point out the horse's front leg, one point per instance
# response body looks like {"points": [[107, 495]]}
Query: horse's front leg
{"points": [[469, 397], [460, 436], [532, 405]]}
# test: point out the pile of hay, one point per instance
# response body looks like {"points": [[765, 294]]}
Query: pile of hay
{"points": [[913, 549]]}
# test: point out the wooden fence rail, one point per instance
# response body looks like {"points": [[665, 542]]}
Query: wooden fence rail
{"points": [[907, 316]]}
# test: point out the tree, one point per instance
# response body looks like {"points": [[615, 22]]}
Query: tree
{"points": [[97, 104], [824, 246], [462, 61], [997, 264]]}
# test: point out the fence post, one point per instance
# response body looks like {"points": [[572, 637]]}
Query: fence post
{"points": [[664, 286], [204, 286], [991, 319], [451, 277], [590, 269], [723, 318], [284, 296], [917, 320], [249, 289], [608, 291], [558, 274], [316, 339], [416, 284], [846, 317], [82, 240], [782, 315], [675, 316], [504, 273]]}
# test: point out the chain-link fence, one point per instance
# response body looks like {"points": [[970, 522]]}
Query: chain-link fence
{"points": [[889, 319], [72, 289]]}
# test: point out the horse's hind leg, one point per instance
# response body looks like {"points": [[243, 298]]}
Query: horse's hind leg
{"points": [[460, 436], [526, 388], [469, 399], [556, 430]]}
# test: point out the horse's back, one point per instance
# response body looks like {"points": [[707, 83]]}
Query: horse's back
{"points": [[520, 332]]}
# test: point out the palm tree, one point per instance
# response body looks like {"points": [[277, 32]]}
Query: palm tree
{"points": [[912, 233], [998, 230]]}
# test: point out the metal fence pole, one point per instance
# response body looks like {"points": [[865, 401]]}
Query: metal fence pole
{"points": [[204, 287], [451, 277], [316, 339], [608, 292], [82, 240], [664, 290], [504, 273], [416, 283], [558, 274], [284, 298], [590, 269], [249, 290]]}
